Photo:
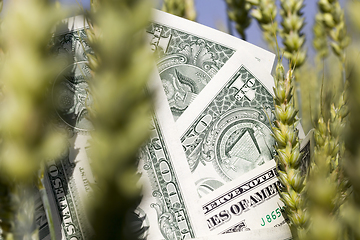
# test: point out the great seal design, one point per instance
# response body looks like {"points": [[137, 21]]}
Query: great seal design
{"points": [[185, 74], [242, 142], [71, 96], [231, 135]]}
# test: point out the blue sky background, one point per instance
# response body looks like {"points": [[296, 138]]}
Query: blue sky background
{"points": [[213, 14]]}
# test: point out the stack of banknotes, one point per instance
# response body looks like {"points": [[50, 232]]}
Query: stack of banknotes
{"points": [[207, 170]]}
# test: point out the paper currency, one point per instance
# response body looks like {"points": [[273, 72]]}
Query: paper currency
{"points": [[190, 55], [40, 218], [250, 202], [168, 202], [170, 205], [278, 233], [69, 42], [68, 188], [306, 148], [68, 179], [226, 132]]}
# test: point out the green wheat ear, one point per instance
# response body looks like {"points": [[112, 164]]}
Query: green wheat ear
{"points": [[265, 13], [331, 16], [328, 188], [120, 112], [288, 149], [292, 23], [181, 8], [350, 212], [27, 137], [320, 42], [238, 12], [330, 21]]}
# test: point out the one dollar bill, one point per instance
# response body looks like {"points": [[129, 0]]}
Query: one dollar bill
{"points": [[249, 202], [168, 209], [170, 206], [226, 132], [190, 55]]}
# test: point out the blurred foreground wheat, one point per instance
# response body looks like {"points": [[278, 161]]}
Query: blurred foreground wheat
{"points": [[181, 8], [27, 137], [121, 110]]}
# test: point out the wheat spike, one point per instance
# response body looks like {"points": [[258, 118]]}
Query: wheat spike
{"points": [[120, 112], [288, 149], [27, 137], [292, 23], [181, 8], [238, 11]]}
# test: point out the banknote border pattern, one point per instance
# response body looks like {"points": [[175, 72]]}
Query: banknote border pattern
{"points": [[163, 205]]}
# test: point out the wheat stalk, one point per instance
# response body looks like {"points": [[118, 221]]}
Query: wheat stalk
{"points": [[292, 23], [332, 17], [328, 187], [181, 8], [120, 112], [264, 12], [238, 11], [27, 138], [350, 212], [330, 23], [288, 149], [320, 42]]}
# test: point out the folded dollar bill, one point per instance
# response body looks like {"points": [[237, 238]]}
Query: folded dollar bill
{"points": [[251, 202], [190, 57], [170, 206], [226, 131], [191, 54]]}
